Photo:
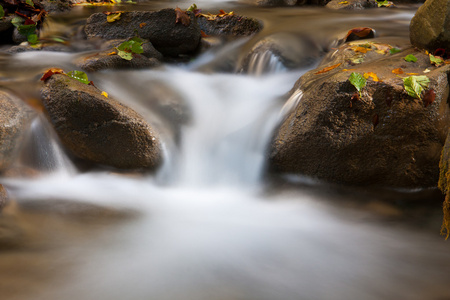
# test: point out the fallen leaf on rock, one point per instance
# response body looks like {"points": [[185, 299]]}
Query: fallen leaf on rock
{"points": [[48, 73], [429, 97], [203, 34], [372, 75], [426, 71], [345, 70], [212, 17], [394, 50], [327, 69], [112, 53], [142, 25], [182, 17], [79, 75], [359, 33], [343, 2], [113, 17], [412, 74], [105, 94], [415, 85], [410, 58], [360, 49], [357, 60], [436, 60], [398, 71], [375, 120], [358, 81]]}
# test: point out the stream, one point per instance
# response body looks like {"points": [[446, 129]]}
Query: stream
{"points": [[209, 225]]}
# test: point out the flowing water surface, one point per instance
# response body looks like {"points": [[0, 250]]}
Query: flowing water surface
{"points": [[207, 225]]}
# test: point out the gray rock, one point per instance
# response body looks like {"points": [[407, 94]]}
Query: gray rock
{"points": [[229, 25], [14, 120], [386, 138], [99, 129], [352, 4], [430, 26], [159, 27]]}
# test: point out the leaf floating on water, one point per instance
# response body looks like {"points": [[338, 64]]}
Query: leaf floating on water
{"points": [[429, 97], [398, 71], [357, 81], [327, 69], [415, 85], [436, 60], [182, 17], [113, 17], [50, 72], [372, 75], [410, 58], [79, 75]]}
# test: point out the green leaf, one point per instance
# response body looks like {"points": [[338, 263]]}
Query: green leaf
{"points": [[436, 60], [26, 30], [2, 12], [32, 39], [113, 17], [394, 50], [17, 21], [58, 40], [410, 58], [383, 3], [30, 3], [415, 85], [358, 81], [127, 48], [193, 7], [79, 75], [125, 55]]}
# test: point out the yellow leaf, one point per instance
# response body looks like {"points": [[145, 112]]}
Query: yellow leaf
{"points": [[371, 74], [113, 17], [427, 71], [343, 2], [112, 53], [324, 70], [412, 74], [360, 49], [105, 94], [346, 70]]}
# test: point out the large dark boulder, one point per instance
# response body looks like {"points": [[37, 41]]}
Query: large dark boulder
{"points": [[160, 27], [430, 26], [99, 129], [15, 117], [385, 138]]}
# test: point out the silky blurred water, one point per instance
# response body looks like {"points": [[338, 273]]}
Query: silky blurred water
{"points": [[208, 224]]}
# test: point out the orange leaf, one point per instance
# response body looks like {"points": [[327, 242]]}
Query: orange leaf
{"points": [[204, 35], [373, 75], [361, 49], [222, 12], [412, 74], [142, 25], [112, 53], [50, 72], [324, 70], [182, 17], [398, 71]]}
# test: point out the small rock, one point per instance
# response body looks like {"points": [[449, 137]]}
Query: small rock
{"points": [[99, 129], [159, 27], [352, 4]]}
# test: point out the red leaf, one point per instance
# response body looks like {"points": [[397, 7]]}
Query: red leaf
{"points": [[182, 17], [429, 97], [375, 120], [50, 72]]}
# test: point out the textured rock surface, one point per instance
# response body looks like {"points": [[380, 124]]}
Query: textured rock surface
{"points": [[430, 26], [230, 25], [352, 4], [159, 27], [386, 138], [97, 128]]}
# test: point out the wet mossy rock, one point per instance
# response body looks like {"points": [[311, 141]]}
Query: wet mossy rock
{"points": [[15, 118], [386, 138], [229, 25], [99, 129], [444, 185], [352, 4], [159, 27], [430, 26]]}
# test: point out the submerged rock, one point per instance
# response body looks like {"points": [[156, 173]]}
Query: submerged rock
{"points": [[229, 25], [160, 27], [99, 129], [15, 117], [430, 26], [3, 197], [385, 137], [109, 59], [352, 4]]}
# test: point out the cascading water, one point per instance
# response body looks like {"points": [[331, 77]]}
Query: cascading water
{"points": [[205, 227]]}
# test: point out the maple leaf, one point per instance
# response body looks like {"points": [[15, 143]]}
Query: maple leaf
{"points": [[182, 17], [50, 72], [324, 70]]}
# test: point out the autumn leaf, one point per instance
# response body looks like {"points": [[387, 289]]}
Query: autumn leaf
{"points": [[429, 97], [359, 33], [357, 81], [203, 34], [372, 75], [112, 53], [324, 70], [113, 17], [142, 25], [375, 120], [409, 74], [436, 60], [105, 94], [343, 2], [410, 58], [182, 17], [398, 71], [50, 72], [427, 71], [360, 49], [212, 17]]}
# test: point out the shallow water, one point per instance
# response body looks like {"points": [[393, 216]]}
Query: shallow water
{"points": [[208, 225]]}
